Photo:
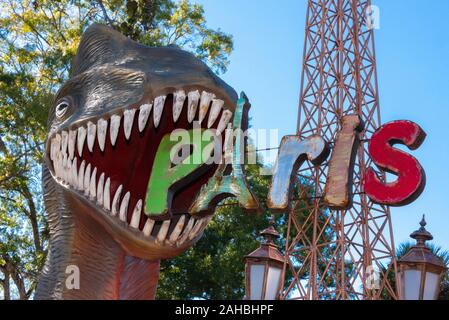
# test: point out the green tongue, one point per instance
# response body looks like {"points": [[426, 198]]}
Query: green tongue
{"points": [[165, 175]]}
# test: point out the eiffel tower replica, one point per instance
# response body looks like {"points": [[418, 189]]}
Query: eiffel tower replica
{"points": [[338, 254]]}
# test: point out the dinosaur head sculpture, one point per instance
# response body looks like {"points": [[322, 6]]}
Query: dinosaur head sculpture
{"points": [[106, 127]]}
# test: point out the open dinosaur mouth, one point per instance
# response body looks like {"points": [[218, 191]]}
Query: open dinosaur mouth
{"points": [[109, 160]]}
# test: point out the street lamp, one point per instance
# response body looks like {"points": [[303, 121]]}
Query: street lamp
{"points": [[263, 269], [420, 271]]}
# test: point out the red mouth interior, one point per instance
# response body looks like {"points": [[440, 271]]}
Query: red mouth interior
{"points": [[129, 162]]}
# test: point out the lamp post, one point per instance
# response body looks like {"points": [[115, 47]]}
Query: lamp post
{"points": [[420, 271], [263, 269]]}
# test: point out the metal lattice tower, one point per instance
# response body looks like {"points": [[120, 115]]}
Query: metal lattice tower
{"points": [[331, 253]]}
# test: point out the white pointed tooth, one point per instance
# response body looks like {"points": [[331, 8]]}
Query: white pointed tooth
{"points": [[102, 128], [64, 166], [193, 99], [87, 179], [74, 173], [148, 227], [91, 134], [116, 201], [114, 129], [80, 139], [92, 184], [58, 165], [217, 105], [61, 166], [58, 141], [124, 207], [197, 228], [72, 139], [107, 195], [81, 175], [128, 122], [206, 99], [55, 147], [162, 234], [64, 141], [71, 179], [224, 120], [68, 171], [178, 102], [178, 229], [135, 219], [158, 109], [56, 168], [186, 231], [144, 114], [100, 188]]}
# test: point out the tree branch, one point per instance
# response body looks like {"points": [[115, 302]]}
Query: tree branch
{"points": [[5, 285], [105, 13], [5, 282], [32, 216]]}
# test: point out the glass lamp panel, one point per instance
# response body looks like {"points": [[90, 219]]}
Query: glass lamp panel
{"points": [[412, 282], [257, 272], [273, 280], [431, 286]]}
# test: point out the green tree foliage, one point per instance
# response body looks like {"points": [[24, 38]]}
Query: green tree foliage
{"points": [[38, 40]]}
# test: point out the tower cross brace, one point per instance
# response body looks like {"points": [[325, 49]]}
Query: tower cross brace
{"points": [[338, 254]]}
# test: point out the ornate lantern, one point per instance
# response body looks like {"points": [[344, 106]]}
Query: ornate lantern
{"points": [[420, 271], [263, 269]]}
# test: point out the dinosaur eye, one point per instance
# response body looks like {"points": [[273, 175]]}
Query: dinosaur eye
{"points": [[61, 109]]}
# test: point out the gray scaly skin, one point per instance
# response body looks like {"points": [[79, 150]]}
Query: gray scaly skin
{"points": [[110, 74]]}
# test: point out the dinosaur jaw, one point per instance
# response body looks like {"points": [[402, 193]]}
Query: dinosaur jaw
{"points": [[106, 162]]}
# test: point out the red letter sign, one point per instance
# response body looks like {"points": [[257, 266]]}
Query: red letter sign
{"points": [[411, 177]]}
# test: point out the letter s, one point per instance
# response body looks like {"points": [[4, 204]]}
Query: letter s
{"points": [[411, 176]]}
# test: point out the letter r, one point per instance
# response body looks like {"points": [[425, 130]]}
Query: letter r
{"points": [[292, 154]]}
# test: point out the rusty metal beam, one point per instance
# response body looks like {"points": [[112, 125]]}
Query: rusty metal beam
{"points": [[330, 252]]}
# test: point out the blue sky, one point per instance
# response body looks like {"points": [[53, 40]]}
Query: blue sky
{"points": [[412, 47]]}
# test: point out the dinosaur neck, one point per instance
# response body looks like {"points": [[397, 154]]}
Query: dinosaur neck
{"points": [[106, 271], [79, 242]]}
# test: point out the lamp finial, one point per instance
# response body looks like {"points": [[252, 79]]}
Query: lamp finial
{"points": [[423, 222], [422, 235]]}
